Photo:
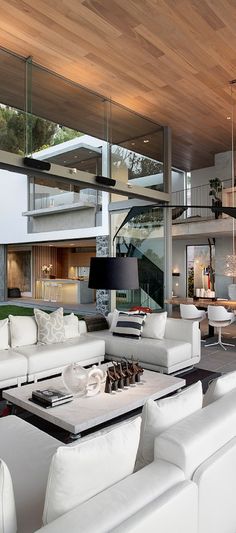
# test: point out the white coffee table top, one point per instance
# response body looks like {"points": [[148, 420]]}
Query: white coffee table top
{"points": [[87, 412]]}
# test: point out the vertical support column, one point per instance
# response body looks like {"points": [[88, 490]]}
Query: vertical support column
{"points": [[167, 215], [102, 296], [3, 270], [28, 106]]}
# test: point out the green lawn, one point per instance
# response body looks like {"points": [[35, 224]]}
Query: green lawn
{"points": [[6, 310]]}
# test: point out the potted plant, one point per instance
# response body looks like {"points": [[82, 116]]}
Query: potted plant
{"points": [[216, 192]]}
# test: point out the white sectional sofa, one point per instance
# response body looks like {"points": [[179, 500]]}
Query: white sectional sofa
{"points": [[180, 346], [23, 359], [189, 487]]}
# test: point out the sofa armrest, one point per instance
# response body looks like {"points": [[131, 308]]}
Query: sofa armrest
{"points": [[184, 330], [111, 507]]}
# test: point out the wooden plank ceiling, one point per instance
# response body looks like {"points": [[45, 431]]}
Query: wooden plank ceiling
{"points": [[170, 60]]}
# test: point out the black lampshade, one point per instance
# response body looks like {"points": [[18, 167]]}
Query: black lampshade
{"points": [[113, 273]]}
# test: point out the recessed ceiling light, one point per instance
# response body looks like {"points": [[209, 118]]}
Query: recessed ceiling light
{"points": [[228, 118], [75, 156], [132, 144], [146, 141], [72, 244]]}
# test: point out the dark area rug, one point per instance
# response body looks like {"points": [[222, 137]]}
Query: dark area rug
{"points": [[196, 374]]}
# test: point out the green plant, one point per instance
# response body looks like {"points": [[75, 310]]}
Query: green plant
{"points": [[215, 187]]}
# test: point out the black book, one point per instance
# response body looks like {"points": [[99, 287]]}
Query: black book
{"points": [[47, 405], [51, 396]]}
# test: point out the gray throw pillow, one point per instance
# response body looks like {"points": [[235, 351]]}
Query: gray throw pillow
{"points": [[96, 323], [50, 326]]}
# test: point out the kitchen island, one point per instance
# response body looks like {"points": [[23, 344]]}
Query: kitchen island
{"points": [[65, 291]]}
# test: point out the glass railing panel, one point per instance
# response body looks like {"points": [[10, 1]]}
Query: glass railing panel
{"points": [[12, 103], [137, 149], [141, 234]]}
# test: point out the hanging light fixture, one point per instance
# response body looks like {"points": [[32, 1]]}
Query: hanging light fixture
{"points": [[230, 269]]}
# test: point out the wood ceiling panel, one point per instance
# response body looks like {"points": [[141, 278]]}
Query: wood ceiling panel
{"points": [[171, 60]]}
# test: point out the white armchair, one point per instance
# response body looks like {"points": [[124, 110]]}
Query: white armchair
{"points": [[220, 318], [191, 312]]}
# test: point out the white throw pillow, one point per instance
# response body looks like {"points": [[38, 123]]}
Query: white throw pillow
{"points": [[154, 326], [71, 326], [113, 317], [160, 415], [7, 501], [220, 386], [23, 330], [4, 334], [129, 325], [50, 326], [78, 473]]}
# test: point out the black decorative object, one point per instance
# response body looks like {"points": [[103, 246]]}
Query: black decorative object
{"points": [[113, 273], [105, 181], [122, 375], [36, 163]]}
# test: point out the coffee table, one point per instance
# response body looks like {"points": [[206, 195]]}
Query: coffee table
{"points": [[88, 412]]}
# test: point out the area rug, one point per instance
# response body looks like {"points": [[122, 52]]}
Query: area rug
{"points": [[196, 374]]}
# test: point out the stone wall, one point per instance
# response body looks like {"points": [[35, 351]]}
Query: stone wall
{"points": [[102, 296]]}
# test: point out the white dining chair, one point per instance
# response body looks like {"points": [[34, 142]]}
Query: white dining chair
{"points": [[219, 317], [191, 312]]}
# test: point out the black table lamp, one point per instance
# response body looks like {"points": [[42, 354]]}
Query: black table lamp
{"points": [[113, 273]]}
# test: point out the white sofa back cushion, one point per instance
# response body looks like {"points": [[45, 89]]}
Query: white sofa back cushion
{"points": [[219, 387], [4, 334], [160, 415], [79, 472], [50, 326], [154, 326], [23, 330], [7, 502], [71, 326]]}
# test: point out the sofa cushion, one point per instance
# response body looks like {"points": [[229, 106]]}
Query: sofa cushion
{"points": [[154, 326], [28, 452], [7, 501], [42, 357], [4, 334], [129, 325], [115, 504], [71, 326], [220, 386], [50, 326], [78, 473], [96, 322], [164, 353], [159, 415], [12, 365], [23, 330]]}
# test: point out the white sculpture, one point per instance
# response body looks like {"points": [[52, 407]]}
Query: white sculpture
{"points": [[83, 381]]}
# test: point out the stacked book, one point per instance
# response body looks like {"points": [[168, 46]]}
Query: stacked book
{"points": [[51, 397]]}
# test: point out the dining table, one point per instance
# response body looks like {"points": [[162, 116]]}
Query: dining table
{"points": [[202, 303]]}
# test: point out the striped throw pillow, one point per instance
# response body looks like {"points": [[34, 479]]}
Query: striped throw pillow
{"points": [[129, 325]]}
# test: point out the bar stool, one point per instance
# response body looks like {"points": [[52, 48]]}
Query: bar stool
{"points": [[56, 291], [46, 291]]}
